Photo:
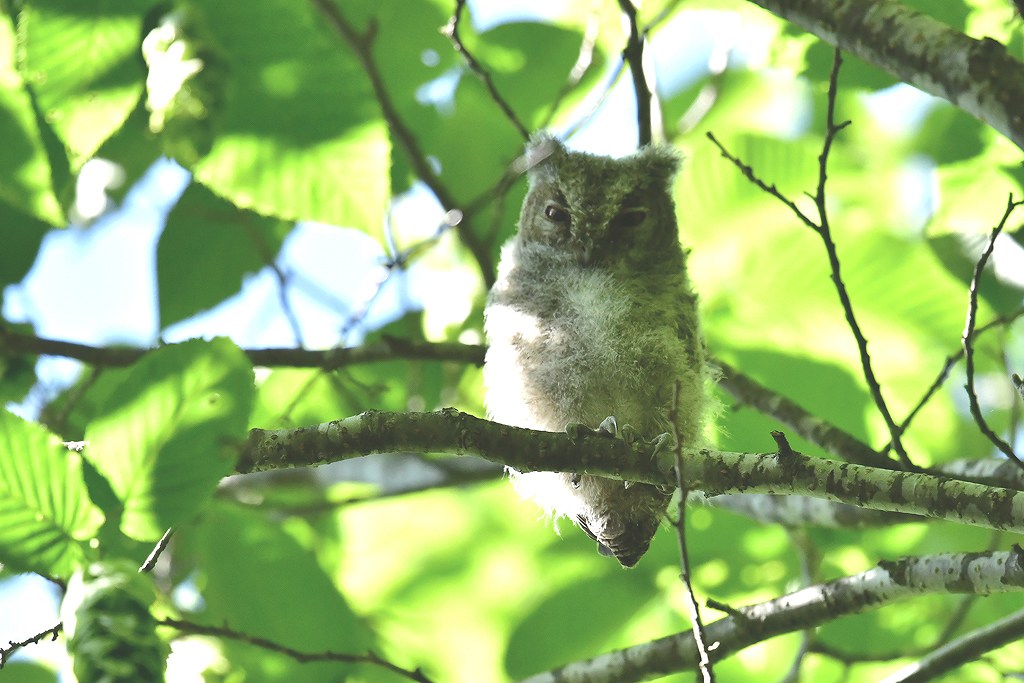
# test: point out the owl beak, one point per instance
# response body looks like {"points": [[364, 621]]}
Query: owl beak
{"points": [[584, 249]]}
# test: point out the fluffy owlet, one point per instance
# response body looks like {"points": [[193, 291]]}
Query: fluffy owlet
{"points": [[592, 316]]}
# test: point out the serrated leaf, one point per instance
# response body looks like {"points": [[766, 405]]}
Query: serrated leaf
{"points": [[573, 623], [46, 516], [25, 181], [82, 59], [301, 135], [167, 435], [280, 577], [234, 244]]}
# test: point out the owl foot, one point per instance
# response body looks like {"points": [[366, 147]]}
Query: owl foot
{"points": [[609, 427], [663, 453]]}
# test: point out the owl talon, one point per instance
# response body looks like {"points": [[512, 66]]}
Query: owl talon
{"points": [[663, 453], [608, 427], [628, 435], [574, 430]]}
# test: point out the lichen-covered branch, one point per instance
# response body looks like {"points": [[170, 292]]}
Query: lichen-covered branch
{"points": [[713, 472], [804, 511], [978, 76], [978, 573]]}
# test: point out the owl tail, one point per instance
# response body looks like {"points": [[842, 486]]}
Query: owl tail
{"points": [[626, 540]]}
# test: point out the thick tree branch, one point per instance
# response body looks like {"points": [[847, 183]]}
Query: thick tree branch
{"points": [[803, 511], [713, 472], [981, 573], [978, 76]]}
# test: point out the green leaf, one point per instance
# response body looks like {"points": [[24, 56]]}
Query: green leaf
{"points": [[234, 243], [529, 63], [133, 148], [279, 577], [22, 235], [574, 623], [25, 180], [168, 434], [46, 517], [28, 672], [82, 59], [301, 136]]}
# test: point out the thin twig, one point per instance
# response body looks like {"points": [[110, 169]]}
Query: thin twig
{"points": [[157, 551], [703, 659], [832, 129], [951, 360], [967, 648], [372, 658], [451, 31], [968, 336], [6, 652], [824, 231], [361, 45], [279, 275], [391, 348], [633, 54]]}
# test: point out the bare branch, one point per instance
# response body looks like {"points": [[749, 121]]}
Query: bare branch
{"points": [[361, 45], [951, 360], [968, 337], [832, 129], [889, 582], [192, 628], [157, 551], [6, 652], [451, 31], [978, 76], [16, 343], [633, 54], [823, 229], [965, 649], [803, 511], [696, 623]]}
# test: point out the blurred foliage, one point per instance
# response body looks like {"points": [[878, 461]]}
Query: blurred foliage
{"points": [[466, 581]]}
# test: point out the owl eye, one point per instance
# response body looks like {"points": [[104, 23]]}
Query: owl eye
{"points": [[556, 214], [629, 218]]}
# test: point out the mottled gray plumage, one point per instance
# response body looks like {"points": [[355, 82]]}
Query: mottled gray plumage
{"points": [[592, 316]]}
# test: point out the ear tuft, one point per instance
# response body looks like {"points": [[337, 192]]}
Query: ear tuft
{"points": [[659, 163], [541, 147]]}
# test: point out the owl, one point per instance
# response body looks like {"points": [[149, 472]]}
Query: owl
{"points": [[592, 317]]}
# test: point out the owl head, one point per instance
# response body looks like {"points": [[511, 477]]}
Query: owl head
{"points": [[598, 209]]}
